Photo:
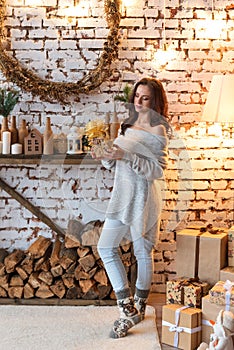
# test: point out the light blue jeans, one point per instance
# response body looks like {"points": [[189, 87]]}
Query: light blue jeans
{"points": [[112, 234]]}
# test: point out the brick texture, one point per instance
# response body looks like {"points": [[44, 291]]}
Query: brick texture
{"points": [[199, 180]]}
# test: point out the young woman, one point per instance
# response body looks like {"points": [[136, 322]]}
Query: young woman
{"points": [[139, 156]]}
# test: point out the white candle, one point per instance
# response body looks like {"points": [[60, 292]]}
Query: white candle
{"points": [[0, 147], [16, 148], [6, 142]]}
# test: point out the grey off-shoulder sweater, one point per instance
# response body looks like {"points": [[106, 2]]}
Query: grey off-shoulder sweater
{"points": [[136, 197]]}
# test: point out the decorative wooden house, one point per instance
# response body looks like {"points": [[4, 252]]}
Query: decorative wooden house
{"points": [[33, 142]]}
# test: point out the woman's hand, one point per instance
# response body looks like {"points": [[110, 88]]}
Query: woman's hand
{"points": [[114, 153]]}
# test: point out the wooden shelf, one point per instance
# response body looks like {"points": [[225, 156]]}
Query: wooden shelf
{"points": [[83, 158]]}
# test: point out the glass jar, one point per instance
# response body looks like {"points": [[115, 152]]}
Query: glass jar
{"points": [[60, 143]]}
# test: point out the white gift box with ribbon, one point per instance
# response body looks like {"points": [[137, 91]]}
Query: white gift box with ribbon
{"points": [[181, 326]]}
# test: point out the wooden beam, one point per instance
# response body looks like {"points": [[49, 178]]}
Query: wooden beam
{"points": [[36, 211]]}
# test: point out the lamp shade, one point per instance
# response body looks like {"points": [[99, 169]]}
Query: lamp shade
{"points": [[219, 105]]}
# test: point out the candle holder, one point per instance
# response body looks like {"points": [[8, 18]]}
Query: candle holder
{"points": [[74, 141]]}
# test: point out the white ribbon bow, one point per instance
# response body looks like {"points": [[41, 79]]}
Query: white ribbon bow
{"points": [[228, 286], [178, 329]]}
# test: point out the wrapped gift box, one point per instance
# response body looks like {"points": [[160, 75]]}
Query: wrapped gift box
{"points": [[192, 259], [186, 291], [181, 326], [227, 274], [222, 293], [210, 311], [231, 246]]}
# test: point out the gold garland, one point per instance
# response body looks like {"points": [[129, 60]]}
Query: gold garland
{"points": [[29, 81]]}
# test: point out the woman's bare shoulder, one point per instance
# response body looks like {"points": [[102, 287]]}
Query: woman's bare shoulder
{"points": [[159, 130]]}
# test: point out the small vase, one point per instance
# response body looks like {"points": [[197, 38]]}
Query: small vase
{"points": [[5, 126], [13, 130], [48, 138], [22, 133], [114, 126]]}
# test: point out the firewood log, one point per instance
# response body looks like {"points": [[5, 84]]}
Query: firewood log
{"points": [[46, 277], [54, 258], [16, 281], [44, 292], [29, 291], [34, 280], [23, 274], [27, 264], [101, 277], [58, 288], [91, 233], [74, 230], [68, 280], [91, 294], [80, 274], [2, 269], [4, 281], [112, 295], [103, 291], [57, 271], [74, 293], [72, 268], [3, 293], [15, 292], [92, 271], [13, 259], [87, 262], [82, 251], [67, 257], [42, 264], [71, 243], [95, 253], [86, 285], [39, 247]]}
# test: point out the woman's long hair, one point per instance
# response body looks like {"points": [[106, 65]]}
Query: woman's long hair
{"points": [[159, 105]]}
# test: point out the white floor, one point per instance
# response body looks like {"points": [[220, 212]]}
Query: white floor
{"points": [[24, 327]]}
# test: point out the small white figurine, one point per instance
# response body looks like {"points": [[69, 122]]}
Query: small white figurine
{"points": [[221, 339]]}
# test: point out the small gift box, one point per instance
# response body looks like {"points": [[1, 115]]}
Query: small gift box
{"points": [[186, 291], [210, 312], [222, 293], [181, 326], [194, 292]]}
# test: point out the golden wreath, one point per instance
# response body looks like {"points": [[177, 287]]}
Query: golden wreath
{"points": [[29, 81]]}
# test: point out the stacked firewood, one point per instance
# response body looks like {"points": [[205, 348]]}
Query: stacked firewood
{"points": [[67, 267]]}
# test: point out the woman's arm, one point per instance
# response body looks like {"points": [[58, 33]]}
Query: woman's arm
{"points": [[147, 168]]}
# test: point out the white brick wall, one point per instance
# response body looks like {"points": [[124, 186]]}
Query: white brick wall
{"points": [[199, 178]]}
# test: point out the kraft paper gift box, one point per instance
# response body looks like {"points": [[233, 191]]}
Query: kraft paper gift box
{"points": [[222, 293], [181, 326], [210, 311], [201, 254], [186, 291], [227, 274], [231, 246]]}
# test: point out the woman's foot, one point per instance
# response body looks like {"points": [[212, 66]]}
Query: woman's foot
{"points": [[140, 304], [129, 317]]}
